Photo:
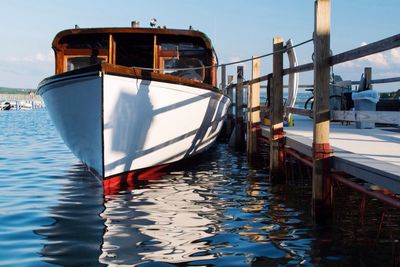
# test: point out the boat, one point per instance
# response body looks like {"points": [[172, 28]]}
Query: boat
{"points": [[5, 105], [126, 99]]}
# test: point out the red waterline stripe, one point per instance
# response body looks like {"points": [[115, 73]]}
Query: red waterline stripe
{"points": [[127, 181]]}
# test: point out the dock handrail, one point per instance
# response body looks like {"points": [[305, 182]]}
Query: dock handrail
{"points": [[356, 53]]}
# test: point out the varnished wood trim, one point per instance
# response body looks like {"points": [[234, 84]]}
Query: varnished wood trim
{"points": [[112, 48], [129, 72], [59, 55], [148, 75], [155, 54], [169, 53]]}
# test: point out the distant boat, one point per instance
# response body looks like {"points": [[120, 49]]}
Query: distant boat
{"points": [[25, 105], [5, 105], [125, 99]]}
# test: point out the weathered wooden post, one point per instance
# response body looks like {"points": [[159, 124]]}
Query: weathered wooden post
{"points": [[276, 115], [239, 133], [230, 92], [267, 115], [321, 190], [253, 109], [223, 79], [227, 132], [368, 77], [229, 116]]}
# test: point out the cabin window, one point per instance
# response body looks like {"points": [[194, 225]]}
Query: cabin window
{"points": [[77, 62], [185, 60], [185, 67], [134, 50], [83, 50]]}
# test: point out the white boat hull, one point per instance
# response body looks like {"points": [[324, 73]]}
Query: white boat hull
{"points": [[118, 124]]}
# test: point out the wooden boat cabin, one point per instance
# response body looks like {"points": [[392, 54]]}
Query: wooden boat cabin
{"points": [[177, 55]]}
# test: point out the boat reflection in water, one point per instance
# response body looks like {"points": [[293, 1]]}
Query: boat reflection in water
{"points": [[162, 221], [76, 235], [200, 214], [142, 217]]}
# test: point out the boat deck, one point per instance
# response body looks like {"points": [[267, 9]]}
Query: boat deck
{"points": [[370, 154]]}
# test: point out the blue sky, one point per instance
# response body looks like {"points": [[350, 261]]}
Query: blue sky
{"points": [[239, 29]]}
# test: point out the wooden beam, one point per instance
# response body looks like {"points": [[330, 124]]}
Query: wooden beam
{"points": [[299, 68], [321, 193], [386, 80], [375, 81], [366, 50], [390, 117], [276, 115], [258, 79], [253, 109], [299, 111]]}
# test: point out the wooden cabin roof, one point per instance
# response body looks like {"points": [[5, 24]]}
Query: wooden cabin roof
{"points": [[131, 30]]}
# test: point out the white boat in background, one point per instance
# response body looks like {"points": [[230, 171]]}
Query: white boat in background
{"points": [[125, 99], [25, 105]]}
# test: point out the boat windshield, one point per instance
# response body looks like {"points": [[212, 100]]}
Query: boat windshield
{"points": [[184, 60], [74, 63]]}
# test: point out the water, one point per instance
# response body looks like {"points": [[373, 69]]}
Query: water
{"points": [[214, 210]]}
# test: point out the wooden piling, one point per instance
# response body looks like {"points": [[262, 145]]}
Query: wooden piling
{"points": [[229, 116], [223, 79], [368, 77], [239, 129], [230, 93], [321, 189], [228, 128], [276, 115], [253, 109]]}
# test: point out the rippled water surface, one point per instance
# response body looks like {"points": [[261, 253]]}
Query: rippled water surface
{"points": [[213, 210]]}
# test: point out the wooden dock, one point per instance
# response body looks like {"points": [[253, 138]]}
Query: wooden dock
{"points": [[372, 155], [334, 151]]}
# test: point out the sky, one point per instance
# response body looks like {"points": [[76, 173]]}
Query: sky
{"points": [[239, 29]]}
